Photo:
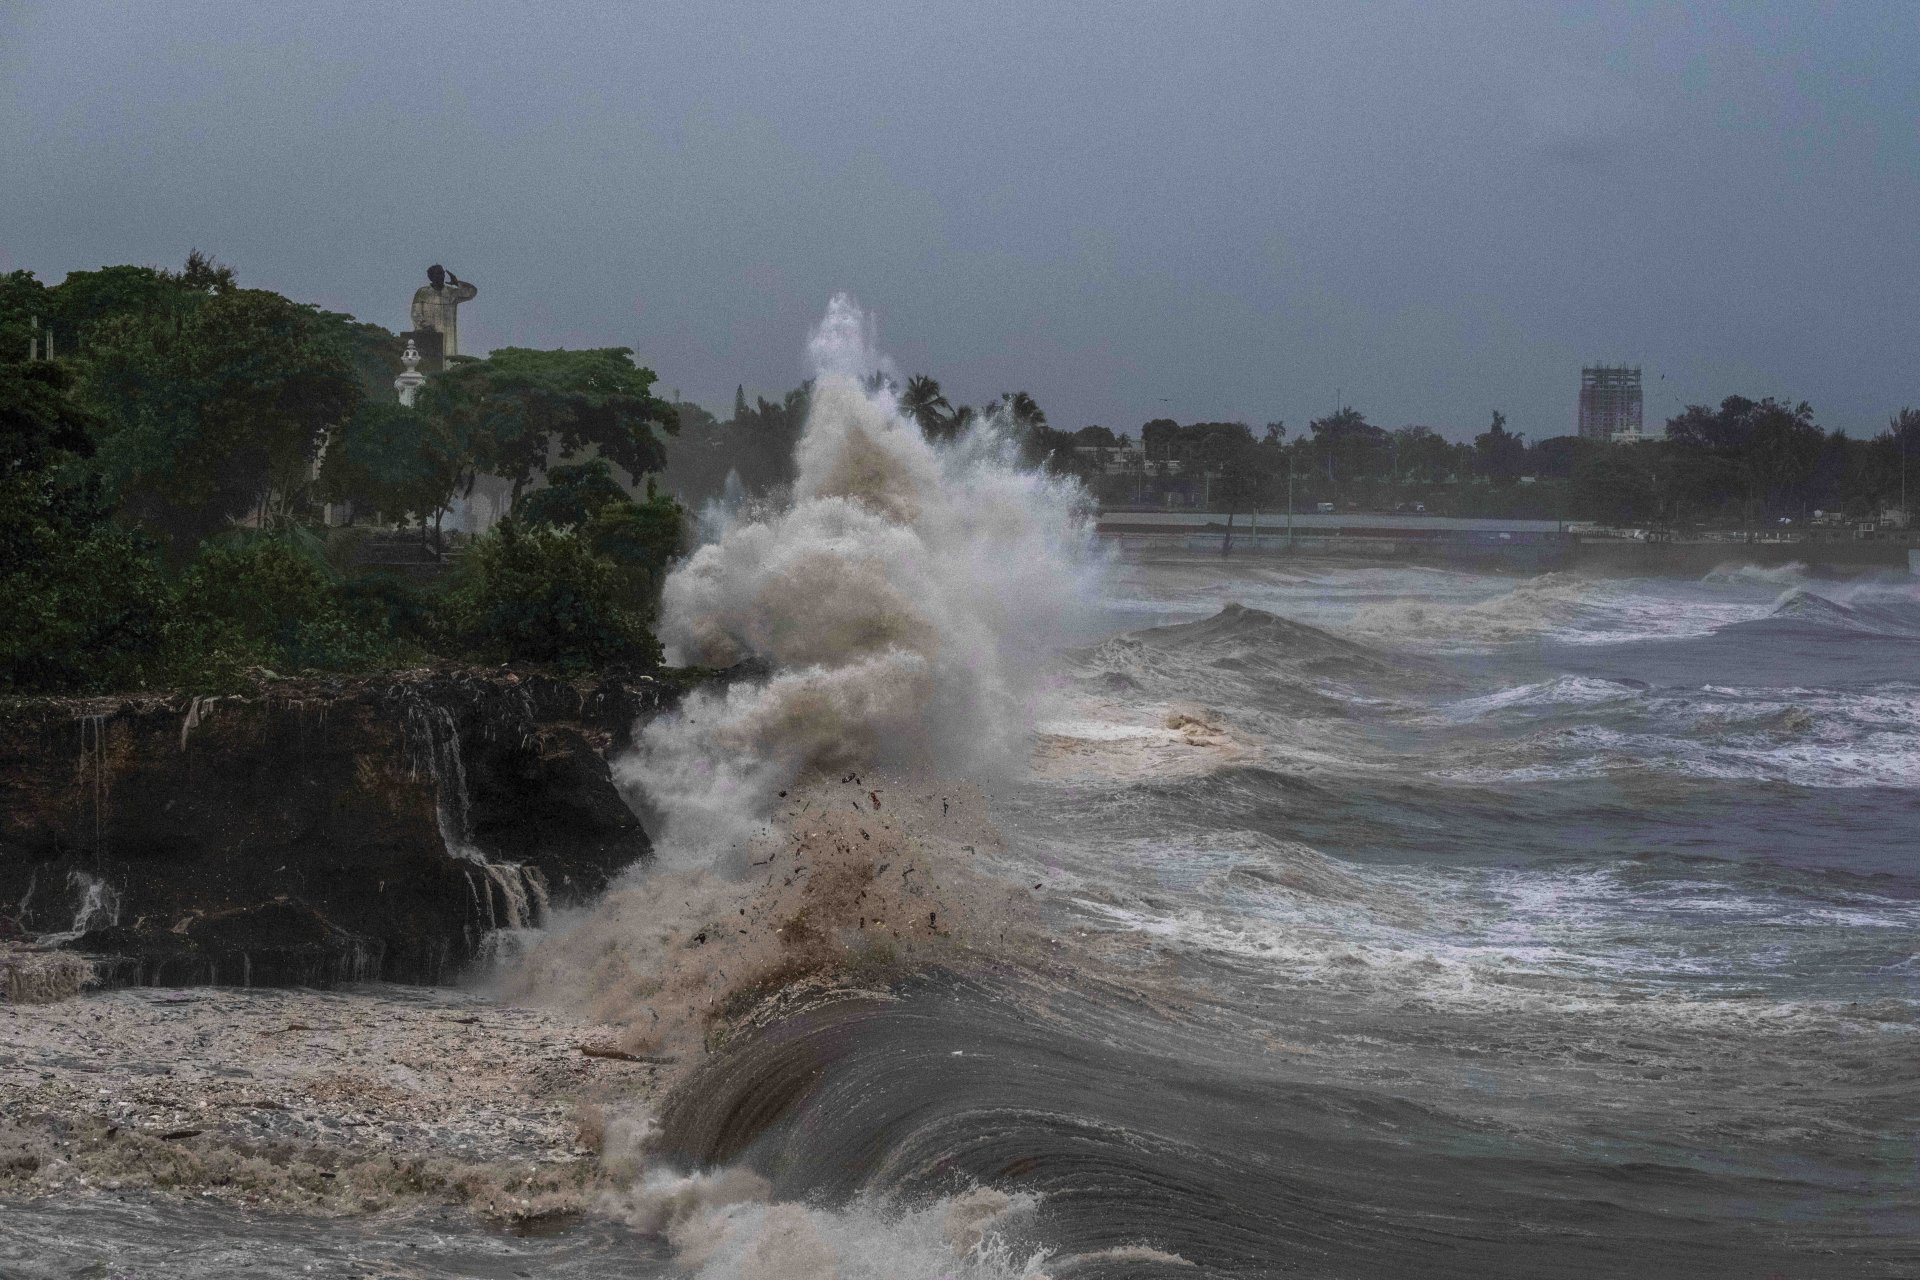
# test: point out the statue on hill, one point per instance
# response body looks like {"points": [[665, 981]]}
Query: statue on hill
{"points": [[436, 306]]}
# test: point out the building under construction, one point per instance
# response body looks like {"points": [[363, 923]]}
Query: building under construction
{"points": [[1609, 401]]}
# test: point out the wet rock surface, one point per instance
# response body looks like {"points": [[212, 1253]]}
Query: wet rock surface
{"points": [[313, 832]]}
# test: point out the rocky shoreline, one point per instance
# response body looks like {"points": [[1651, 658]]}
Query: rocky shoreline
{"points": [[531, 1108], [238, 884], [312, 832]]}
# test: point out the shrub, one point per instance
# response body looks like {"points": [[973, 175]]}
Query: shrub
{"points": [[262, 601], [81, 616], [641, 537], [543, 595]]}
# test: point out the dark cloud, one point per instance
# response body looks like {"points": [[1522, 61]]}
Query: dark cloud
{"points": [[1218, 210]]}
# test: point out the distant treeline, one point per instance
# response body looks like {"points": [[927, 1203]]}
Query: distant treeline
{"points": [[1745, 461], [1742, 462]]}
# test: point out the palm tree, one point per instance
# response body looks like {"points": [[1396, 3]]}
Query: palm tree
{"points": [[923, 402], [1022, 410]]}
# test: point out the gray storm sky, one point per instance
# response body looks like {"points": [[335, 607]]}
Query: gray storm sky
{"points": [[1201, 210]]}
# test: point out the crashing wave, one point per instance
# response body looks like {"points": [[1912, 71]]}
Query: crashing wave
{"points": [[901, 597]]}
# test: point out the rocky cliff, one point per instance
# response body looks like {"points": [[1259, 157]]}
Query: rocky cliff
{"points": [[313, 832]]}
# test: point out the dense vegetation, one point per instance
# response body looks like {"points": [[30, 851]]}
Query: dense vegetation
{"points": [[164, 478]]}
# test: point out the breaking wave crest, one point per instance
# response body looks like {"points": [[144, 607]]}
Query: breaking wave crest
{"points": [[1889, 614]]}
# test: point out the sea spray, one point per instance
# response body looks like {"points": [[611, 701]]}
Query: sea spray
{"points": [[898, 595], [816, 821]]}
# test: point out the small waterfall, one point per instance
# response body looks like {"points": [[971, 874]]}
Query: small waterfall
{"points": [[508, 896], [98, 906], [198, 709], [93, 776]]}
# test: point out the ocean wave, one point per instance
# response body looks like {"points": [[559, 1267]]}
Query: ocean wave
{"points": [[1879, 613], [1263, 666], [1674, 948], [1564, 608], [1739, 572]]}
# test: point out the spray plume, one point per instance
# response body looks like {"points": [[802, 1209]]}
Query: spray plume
{"points": [[898, 596]]}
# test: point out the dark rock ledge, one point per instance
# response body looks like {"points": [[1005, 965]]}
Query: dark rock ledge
{"points": [[314, 831]]}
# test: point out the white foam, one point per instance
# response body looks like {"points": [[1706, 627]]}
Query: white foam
{"points": [[904, 595], [1561, 691], [1839, 741], [726, 1225]]}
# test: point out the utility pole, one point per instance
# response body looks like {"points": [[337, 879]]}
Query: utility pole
{"points": [[1289, 504]]}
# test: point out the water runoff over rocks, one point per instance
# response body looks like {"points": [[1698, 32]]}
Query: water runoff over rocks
{"points": [[1040, 913]]}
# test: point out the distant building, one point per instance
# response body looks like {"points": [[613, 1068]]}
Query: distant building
{"points": [[1610, 402]]}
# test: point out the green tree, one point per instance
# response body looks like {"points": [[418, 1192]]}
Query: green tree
{"points": [[506, 413], [756, 445], [924, 402], [23, 308], [1903, 433], [1500, 454], [759, 442], [1617, 483], [1756, 457], [1553, 456], [572, 495], [1348, 446], [391, 460], [1240, 472], [1021, 411], [265, 600], [216, 410], [642, 538], [1421, 455], [83, 597]]}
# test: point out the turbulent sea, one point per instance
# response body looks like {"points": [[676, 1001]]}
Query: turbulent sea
{"points": [[1325, 920], [1402, 922], [1428, 924]]}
